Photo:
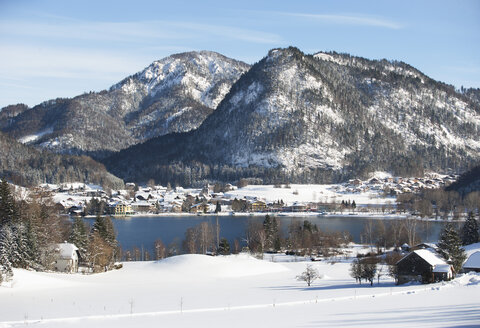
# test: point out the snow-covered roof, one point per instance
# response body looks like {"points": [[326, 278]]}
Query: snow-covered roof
{"points": [[473, 261], [432, 257], [141, 203], [66, 250], [442, 268]]}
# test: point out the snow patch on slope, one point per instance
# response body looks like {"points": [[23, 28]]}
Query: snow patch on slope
{"points": [[33, 137]]}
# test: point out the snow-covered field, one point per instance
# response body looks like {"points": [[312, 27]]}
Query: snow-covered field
{"points": [[233, 291], [310, 193]]}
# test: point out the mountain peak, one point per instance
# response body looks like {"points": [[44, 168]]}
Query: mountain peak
{"points": [[173, 94], [322, 118]]}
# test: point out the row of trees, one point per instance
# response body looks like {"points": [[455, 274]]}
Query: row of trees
{"points": [[439, 203], [302, 238]]}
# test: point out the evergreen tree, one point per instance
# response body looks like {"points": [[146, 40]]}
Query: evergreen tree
{"points": [[270, 227], [104, 226], [6, 249], [470, 230], [450, 247], [103, 229], [224, 247], [33, 253], [8, 211], [20, 257], [79, 236]]}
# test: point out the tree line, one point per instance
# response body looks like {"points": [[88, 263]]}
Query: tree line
{"points": [[439, 203], [301, 238]]}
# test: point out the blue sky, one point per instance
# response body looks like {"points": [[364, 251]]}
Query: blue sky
{"points": [[55, 48]]}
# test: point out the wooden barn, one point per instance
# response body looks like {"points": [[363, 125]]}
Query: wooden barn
{"points": [[423, 265]]}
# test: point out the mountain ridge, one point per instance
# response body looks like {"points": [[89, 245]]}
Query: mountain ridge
{"points": [[318, 118], [173, 94]]}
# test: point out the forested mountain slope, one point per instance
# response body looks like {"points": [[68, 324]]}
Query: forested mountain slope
{"points": [[317, 118], [26, 166]]}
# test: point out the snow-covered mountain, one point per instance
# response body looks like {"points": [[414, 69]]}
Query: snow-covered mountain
{"points": [[174, 94], [312, 118]]}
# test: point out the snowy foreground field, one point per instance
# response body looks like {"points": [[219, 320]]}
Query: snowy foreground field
{"points": [[232, 291]]}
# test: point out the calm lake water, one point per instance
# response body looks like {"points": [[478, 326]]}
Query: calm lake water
{"points": [[143, 231]]}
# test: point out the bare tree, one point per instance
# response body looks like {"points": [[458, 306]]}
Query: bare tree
{"points": [[410, 227], [368, 232], [256, 237], [99, 253], [356, 271], [160, 250], [205, 236], [191, 241], [391, 260], [137, 254], [236, 246], [394, 234], [309, 275]]}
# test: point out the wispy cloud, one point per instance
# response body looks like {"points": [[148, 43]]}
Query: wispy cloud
{"points": [[53, 62], [136, 32], [348, 19], [63, 52], [229, 32]]}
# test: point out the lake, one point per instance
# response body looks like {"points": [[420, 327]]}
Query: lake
{"points": [[142, 232]]}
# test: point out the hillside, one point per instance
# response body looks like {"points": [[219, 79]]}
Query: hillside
{"points": [[174, 94], [467, 182], [317, 118], [26, 166]]}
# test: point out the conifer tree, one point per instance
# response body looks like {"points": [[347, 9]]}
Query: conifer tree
{"points": [[224, 247], [33, 253], [450, 247], [8, 211], [270, 227], [20, 257], [6, 247], [103, 228], [469, 231], [79, 236]]}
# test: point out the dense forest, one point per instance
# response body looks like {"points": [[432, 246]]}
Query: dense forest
{"points": [[26, 166]]}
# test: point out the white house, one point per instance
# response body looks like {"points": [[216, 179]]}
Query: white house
{"points": [[66, 257]]}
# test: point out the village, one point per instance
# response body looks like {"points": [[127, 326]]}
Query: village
{"points": [[367, 196]]}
